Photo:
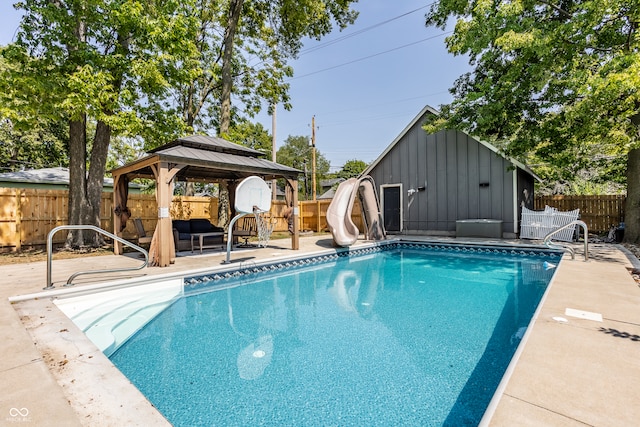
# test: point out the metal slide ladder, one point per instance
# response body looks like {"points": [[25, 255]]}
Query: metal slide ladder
{"points": [[554, 245], [97, 230]]}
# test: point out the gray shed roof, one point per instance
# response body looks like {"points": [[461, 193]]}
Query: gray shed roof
{"points": [[51, 176], [421, 115], [42, 176], [330, 182], [329, 194]]}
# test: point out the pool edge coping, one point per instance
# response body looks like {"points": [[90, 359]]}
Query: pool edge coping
{"points": [[137, 281]]}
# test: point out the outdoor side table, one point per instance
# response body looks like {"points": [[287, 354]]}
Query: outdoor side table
{"points": [[201, 237]]}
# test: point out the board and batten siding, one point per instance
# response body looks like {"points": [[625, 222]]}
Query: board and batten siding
{"points": [[451, 166]]}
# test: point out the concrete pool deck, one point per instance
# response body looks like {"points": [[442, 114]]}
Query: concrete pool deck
{"points": [[568, 373]]}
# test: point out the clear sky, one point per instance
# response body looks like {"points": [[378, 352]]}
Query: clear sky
{"points": [[363, 85], [360, 106]]}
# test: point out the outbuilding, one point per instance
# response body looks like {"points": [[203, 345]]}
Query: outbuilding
{"points": [[449, 183], [51, 179]]}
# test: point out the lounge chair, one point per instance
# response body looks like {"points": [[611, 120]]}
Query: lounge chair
{"points": [[245, 228], [142, 234]]}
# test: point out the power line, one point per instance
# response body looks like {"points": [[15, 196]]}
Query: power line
{"points": [[382, 104], [367, 119], [356, 33], [364, 30], [371, 56]]}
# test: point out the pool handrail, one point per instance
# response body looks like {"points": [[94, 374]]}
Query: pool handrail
{"points": [[230, 235], [97, 230], [551, 245]]}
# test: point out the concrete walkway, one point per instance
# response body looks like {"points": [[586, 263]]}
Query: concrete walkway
{"points": [[571, 371]]}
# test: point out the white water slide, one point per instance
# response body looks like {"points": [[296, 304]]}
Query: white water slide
{"points": [[344, 231]]}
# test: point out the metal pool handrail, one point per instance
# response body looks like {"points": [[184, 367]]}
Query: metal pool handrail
{"points": [[98, 230], [551, 245]]}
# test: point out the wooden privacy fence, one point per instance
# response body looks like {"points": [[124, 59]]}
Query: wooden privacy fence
{"points": [[28, 215], [598, 212]]}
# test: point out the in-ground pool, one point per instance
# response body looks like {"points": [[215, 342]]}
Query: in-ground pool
{"points": [[403, 334]]}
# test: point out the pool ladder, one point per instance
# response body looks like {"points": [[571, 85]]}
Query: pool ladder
{"points": [[97, 230], [552, 245]]}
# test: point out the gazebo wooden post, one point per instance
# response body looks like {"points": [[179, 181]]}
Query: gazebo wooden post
{"points": [[231, 188], [295, 237], [117, 246], [165, 239], [172, 246]]}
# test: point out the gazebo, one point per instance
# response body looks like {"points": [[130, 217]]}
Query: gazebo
{"points": [[197, 158]]}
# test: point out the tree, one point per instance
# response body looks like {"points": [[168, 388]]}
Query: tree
{"points": [[43, 143], [351, 169], [41, 146], [124, 150], [111, 65], [272, 32], [296, 152], [252, 135], [558, 80], [244, 47], [103, 63]]}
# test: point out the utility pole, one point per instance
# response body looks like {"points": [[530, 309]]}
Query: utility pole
{"points": [[274, 183], [313, 157]]}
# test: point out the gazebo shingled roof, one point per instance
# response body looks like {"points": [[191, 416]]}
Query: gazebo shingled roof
{"points": [[194, 158], [211, 143]]}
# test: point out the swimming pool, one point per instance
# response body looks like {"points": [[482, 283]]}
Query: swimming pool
{"points": [[411, 334]]}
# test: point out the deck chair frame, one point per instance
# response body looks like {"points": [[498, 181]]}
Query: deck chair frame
{"points": [[142, 234], [245, 229]]}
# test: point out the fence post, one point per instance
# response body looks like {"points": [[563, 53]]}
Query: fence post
{"points": [[19, 193], [301, 216]]}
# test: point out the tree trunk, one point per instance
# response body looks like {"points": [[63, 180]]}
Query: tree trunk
{"points": [[77, 162], [632, 208], [189, 189], [235, 9], [85, 189], [223, 204], [77, 179], [95, 178]]}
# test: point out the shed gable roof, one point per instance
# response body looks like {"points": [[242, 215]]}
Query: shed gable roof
{"points": [[52, 176], [41, 176], [422, 115]]}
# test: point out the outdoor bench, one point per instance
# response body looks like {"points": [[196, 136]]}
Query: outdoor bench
{"points": [[183, 230]]}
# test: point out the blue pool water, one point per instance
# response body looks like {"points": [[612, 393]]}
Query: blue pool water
{"points": [[399, 337]]}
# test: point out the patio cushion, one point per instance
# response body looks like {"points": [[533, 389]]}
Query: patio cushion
{"points": [[201, 225], [182, 226]]}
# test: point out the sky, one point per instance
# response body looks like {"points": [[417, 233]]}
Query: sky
{"points": [[364, 84]]}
